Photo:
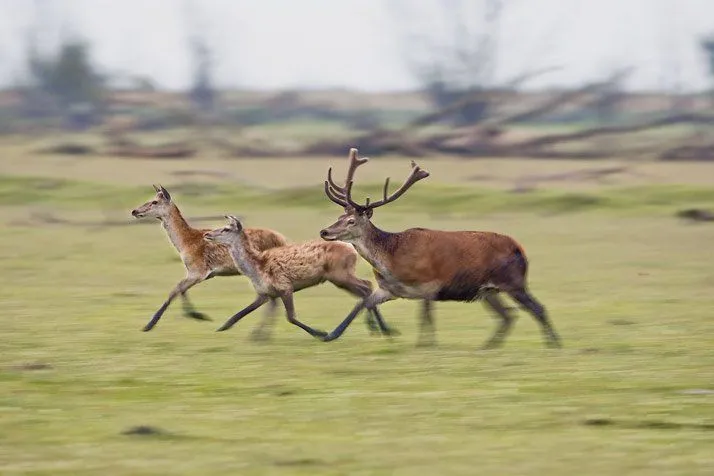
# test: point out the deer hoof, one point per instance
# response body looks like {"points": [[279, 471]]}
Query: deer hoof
{"points": [[199, 316]]}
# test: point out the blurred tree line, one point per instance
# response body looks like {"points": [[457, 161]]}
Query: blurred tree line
{"points": [[64, 82]]}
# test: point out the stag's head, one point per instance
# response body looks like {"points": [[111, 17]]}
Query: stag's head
{"points": [[226, 234], [351, 225], [158, 207]]}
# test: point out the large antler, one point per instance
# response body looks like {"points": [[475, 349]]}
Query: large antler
{"points": [[416, 174], [343, 195]]}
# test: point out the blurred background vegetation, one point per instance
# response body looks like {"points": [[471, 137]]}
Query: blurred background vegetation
{"points": [[585, 129]]}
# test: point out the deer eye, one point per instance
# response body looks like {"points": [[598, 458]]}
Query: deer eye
{"points": [[155, 202], [351, 221]]}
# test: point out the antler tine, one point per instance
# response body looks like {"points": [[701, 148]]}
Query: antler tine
{"points": [[416, 174], [333, 185], [355, 161], [333, 195], [386, 188]]}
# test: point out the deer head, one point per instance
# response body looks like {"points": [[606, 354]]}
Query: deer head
{"points": [[227, 233], [159, 207], [356, 218]]}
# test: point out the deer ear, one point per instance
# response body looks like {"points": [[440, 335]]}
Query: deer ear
{"points": [[233, 221], [368, 213], [156, 188], [164, 192]]}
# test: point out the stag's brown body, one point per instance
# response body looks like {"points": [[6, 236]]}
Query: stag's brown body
{"points": [[443, 265], [432, 265]]}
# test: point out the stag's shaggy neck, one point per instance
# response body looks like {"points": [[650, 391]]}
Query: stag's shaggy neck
{"points": [[177, 229], [376, 246]]}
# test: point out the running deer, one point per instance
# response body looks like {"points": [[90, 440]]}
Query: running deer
{"points": [[202, 260], [285, 270], [432, 265]]}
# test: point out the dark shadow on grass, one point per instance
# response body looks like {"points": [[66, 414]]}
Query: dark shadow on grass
{"points": [[144, 430], [647, 424], [300, 462], [34, 366]]}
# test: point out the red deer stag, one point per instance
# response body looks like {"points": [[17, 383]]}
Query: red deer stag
{"points": [[285, 270], [432, 265]]}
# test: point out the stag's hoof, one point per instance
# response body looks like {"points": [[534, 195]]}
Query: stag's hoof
{"points": [[391, 332]]}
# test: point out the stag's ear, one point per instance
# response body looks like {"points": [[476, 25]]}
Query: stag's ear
{"points": [[156, 188], [367, 213]]}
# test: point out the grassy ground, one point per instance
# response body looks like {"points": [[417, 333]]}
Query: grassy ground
{"points": [[628, 288]]}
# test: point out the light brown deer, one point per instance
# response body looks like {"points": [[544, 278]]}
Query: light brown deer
{"points": [[285, 270], [432, 265], [201, 259]]}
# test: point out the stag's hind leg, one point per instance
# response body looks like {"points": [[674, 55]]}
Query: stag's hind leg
{"points": [[496, 304], [538, 311], [363, 288]]}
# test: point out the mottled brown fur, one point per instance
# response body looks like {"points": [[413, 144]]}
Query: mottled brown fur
{"points": [[284, 270]]}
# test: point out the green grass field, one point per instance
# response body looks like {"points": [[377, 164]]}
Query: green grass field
{"points": [[628, 287]]}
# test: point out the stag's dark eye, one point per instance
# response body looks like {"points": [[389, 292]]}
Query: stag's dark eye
{"points": [[155, 202], [351, 221]]}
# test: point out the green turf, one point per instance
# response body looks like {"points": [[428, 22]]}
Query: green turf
{"points": [[629, 293]]}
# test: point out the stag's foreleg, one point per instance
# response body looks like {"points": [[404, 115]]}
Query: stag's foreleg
{"points": [[427, 334], [362, 289], [378, 297]]}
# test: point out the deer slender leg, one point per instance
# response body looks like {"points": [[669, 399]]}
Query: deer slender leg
{"points": [[259, 301], [263, 330], [190, 311], [427, 336], [538, 312], [183, 286], [377, 297], [290, 312], [496, 304]]}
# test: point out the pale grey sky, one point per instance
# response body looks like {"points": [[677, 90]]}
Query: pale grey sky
{"points": [[356, 43]]}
